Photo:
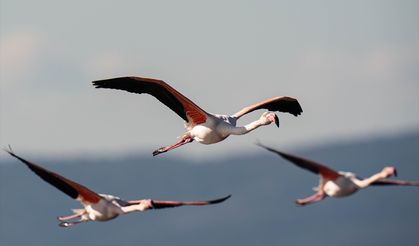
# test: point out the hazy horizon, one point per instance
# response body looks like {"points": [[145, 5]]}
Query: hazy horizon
{"points": [[260, 211]]}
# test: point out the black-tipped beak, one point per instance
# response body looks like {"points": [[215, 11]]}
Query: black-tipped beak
{"points": [[395, 172], [276, 121]]}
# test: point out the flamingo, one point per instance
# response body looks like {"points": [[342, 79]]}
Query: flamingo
{"points": [[337, 183], [100, 207], [201, 126]]}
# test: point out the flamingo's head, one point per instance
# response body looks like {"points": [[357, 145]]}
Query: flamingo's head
{"points": [[390, 171], [268, 118]]}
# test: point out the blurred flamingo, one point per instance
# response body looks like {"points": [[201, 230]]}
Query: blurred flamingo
{"points": [[100, 207], [336, 183]]}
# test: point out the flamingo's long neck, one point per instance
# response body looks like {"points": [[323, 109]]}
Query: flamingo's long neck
{"points": [[368, 181], [240, 130], [135, 208]]}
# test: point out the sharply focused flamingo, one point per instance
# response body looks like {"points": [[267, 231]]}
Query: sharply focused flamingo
{"points": [[100, 207], [201, 126], [339, 184]]}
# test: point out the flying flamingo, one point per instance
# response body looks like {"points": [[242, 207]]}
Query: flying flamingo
{"points": [[201, 126], [339, 184], [100, 207]]}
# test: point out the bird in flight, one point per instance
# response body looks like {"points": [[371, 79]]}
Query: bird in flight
{"points": [[205, 128], [100, 207], [336, 183]]}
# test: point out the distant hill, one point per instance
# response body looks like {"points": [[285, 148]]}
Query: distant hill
{"points": [[260, 212]]}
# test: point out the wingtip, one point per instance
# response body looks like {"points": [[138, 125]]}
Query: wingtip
{"points": [[269, 148], [298, 113], [100, 83], [10, 150], [299, 110], [12, 153], [227, 197], [220, 199], [258, 143], [96, 83], [104, 83]]}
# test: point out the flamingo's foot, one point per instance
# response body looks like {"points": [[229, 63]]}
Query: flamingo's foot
{"points": [[300, 202], [159, 151], [65, 224]]}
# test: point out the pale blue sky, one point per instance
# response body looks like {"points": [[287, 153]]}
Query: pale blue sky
{"points": [[353, 65]]}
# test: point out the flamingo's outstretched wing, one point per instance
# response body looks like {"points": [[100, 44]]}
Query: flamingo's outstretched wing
{"points": [[166, 94], [71, 188], [281, 104], [395, 182], [312, 166], [157, 204]]}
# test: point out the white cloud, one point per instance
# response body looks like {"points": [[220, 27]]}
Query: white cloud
{"points": [[19, 55]]}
